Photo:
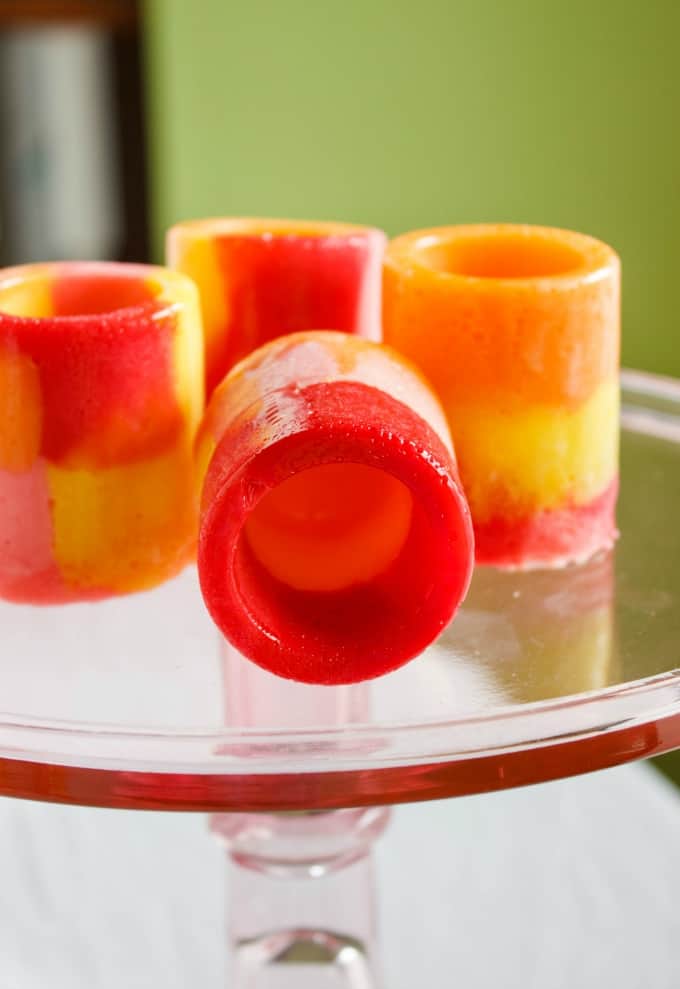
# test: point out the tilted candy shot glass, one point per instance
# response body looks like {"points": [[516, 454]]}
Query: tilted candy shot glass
{"points": [[517, 328], [261, 278], [335, 542], [101, 392]]}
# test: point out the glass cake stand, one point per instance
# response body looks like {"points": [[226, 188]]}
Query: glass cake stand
{"points": [[137, 703]]}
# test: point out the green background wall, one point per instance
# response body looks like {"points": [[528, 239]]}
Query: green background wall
{"points": [[410, 114]]}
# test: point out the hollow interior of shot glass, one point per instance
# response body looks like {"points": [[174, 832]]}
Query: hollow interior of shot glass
{"points": [[343, 578], [331, 527], [503, 253], [76, 290], [339, 589]]}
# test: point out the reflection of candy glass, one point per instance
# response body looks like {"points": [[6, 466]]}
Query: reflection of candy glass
{"points": [[259, 279], [256, 700], [542, 634], [518, 330], [335, 541], [101, 391]]}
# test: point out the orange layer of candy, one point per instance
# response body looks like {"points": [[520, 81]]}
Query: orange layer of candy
{"points": [[259, 279], [101, 391], [335, 541], [518, 329], [506, 314]]}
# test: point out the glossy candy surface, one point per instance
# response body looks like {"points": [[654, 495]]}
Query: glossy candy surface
{"points": [[335, 541], [518, 329], [261, 278], [101, 392]]}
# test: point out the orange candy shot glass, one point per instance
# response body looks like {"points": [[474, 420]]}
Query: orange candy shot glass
{"points": [[517, 328], [262, 278], [101, 393], [335, 541]]}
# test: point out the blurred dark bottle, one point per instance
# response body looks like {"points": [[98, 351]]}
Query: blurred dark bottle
{"points": [[72, 162]]}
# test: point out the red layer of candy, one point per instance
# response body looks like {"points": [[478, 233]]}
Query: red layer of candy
{"points": [[286, 284], [368, 629], [107, 384], [84, 291], [574, 532]]}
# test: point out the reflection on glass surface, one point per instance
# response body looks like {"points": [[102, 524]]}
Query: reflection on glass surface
{"points": [[519, 637], [146, 659], [648, 552], [541, 634], [255, 699]]}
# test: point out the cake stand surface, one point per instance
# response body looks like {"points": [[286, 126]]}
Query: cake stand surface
{"points": [[136, 702]]}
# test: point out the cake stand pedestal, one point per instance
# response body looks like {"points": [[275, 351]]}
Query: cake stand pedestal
{"points": [[301, 885]]}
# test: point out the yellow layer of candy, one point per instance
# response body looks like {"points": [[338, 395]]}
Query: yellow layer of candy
{"points": [[205, 448], [513, 463], [198, 259], [187, 344], [188, 362], [31, 297], [125, 528]]}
